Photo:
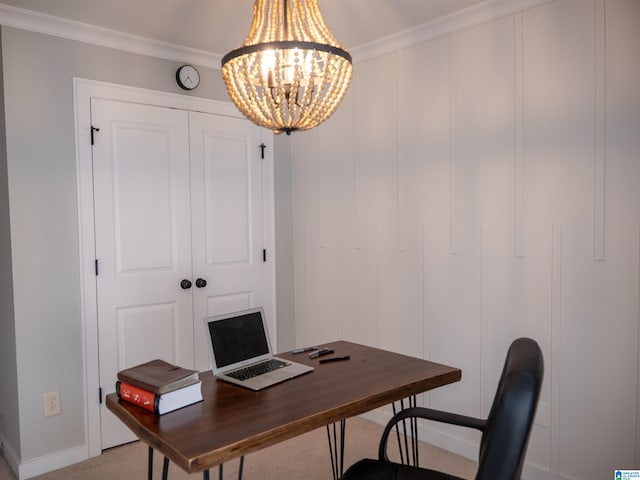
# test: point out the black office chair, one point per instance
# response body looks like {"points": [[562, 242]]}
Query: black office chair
{"points": [[505, 433]]}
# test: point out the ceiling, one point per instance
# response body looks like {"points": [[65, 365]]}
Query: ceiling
{"points": [[217, 26]]}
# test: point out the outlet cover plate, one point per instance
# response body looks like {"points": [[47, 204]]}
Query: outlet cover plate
{"points": [[51, 404]]}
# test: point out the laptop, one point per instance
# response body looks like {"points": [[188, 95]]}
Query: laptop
{"points": [[240, 351]]}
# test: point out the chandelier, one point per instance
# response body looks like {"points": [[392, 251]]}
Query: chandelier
{"points": [[290, 73]]}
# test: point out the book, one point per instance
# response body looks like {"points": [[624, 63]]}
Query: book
{"points": [[160, 404], [158, 376]]}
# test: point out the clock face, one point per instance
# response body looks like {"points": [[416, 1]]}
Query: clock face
{"points": [[187, 77]]}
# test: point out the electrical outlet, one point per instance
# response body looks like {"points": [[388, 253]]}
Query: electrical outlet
{"points": [[51, 404]]}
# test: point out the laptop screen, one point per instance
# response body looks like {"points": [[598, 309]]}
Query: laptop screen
{"points": [[238, 338]]}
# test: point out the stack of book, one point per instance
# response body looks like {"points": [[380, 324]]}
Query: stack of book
{"points": [[159, 386]]}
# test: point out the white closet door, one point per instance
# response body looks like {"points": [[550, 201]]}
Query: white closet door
{"points": [[143, 242], [227, 220]]}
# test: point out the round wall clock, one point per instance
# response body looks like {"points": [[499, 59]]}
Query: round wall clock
{"points": [[187, 77]]}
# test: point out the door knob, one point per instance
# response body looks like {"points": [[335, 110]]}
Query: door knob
{"points": [[201, 283], [185, 284]]}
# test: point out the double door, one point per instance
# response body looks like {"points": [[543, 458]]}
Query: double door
{"points": [[179, 234]]}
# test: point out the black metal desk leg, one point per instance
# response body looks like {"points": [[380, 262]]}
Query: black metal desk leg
{"points": [[336, 447], [165, 468], [408, 451], [150, 465], [241, 467], [205, 474]]}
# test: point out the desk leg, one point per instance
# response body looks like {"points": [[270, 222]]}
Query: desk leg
{"points": [[408, 449], [220, 470], [205, 474], [240, 468], [165, 468], [150, 465], [336, 448]]}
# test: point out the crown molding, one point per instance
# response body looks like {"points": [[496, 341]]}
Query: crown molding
{"points": [[82, 32], [454, 22]]}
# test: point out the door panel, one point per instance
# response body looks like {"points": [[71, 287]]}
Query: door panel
{"points": [[227, 219], [227, 200], [229, 303], [143, 242], [143, 222], [135, 323]]}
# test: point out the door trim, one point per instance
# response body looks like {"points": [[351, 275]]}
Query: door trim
{"points": [[83, 91]]}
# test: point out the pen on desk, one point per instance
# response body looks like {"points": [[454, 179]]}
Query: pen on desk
{"points": [[303, 349], [319, 353], [335, 359]]}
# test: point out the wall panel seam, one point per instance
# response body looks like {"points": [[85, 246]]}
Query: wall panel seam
{"points": [[556, 344], [453, 138], [518, 130], [599, 131], [321, 193], [637, 430], [336, 283], [356, 227], [377, 232], [426, 340], [400, 165], [426, 350], [484, 319]]}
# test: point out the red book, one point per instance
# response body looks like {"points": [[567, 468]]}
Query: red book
{"points": [[158, 376], [160, 404]]}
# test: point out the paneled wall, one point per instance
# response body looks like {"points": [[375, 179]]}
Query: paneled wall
{"points": [[481, 186]]}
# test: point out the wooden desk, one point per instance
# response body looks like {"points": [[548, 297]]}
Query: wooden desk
{"points": [[233, 421]]}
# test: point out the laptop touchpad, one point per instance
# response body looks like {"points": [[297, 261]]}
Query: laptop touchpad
{"points": [[278, 375]]}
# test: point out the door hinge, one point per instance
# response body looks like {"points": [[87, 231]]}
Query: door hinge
{"points": [[93, 129], [264, 255], [100, 395], [262, 147], [96, 266]]}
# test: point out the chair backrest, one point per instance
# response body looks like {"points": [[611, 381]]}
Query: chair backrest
{"points": [[504, 440]]}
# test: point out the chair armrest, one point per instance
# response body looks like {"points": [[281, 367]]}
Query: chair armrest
{"points": [[429, 414]]}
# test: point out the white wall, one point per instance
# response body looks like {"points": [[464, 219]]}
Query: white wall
{"points": [[9, 428], [481, 186], [47, 345]]}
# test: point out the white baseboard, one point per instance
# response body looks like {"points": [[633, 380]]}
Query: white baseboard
{"points": [[10, 455], [461, 447], [49, 463]]}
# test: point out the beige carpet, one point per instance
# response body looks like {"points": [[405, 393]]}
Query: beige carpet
{"points": [[305, 457]]}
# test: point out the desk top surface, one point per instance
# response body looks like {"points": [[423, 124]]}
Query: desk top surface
{"points": [[233, 421]]}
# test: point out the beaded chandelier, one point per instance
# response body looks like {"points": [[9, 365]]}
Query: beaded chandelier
{"points": [[290, 73]]}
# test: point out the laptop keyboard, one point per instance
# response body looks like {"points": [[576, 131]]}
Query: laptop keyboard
{"points": [[257, 369]]}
